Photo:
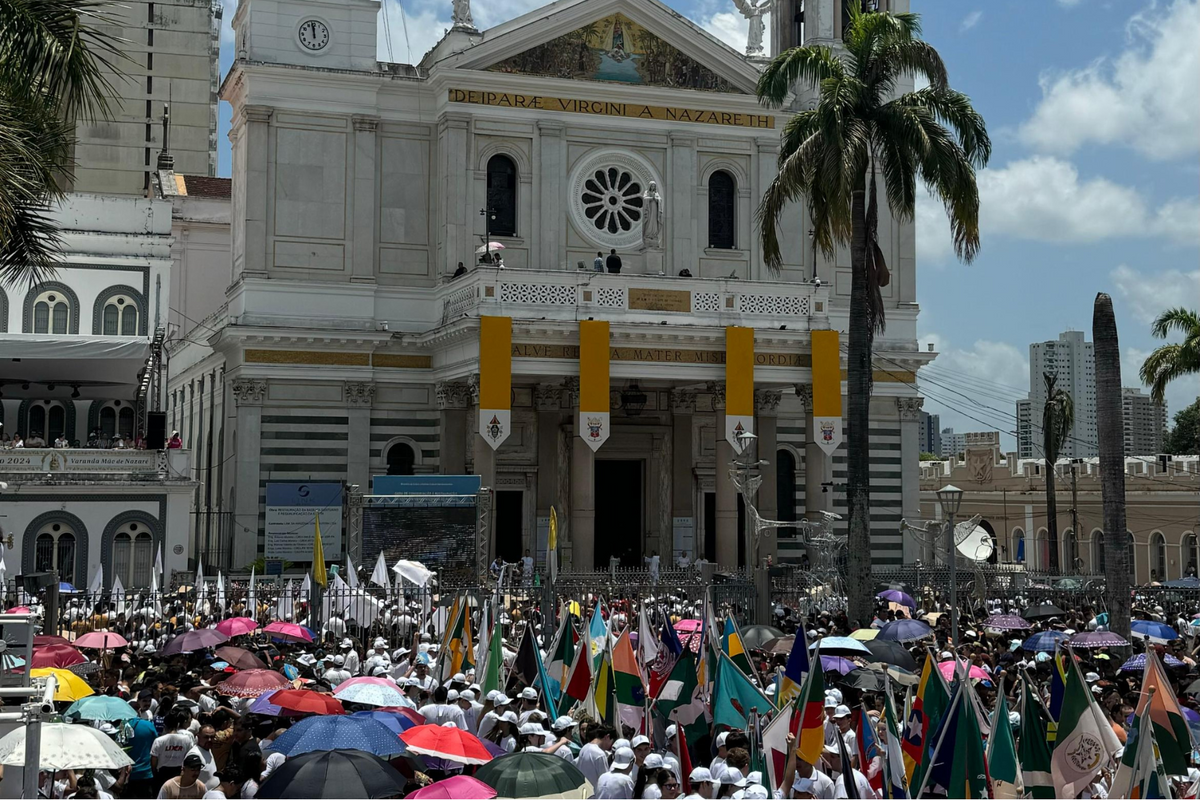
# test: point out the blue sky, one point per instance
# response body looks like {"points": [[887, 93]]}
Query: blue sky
{"points": [[1093, 113]]}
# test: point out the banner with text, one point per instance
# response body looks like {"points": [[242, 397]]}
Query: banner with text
{"points": [[495, 379], [826, 390], [739, 385], [292, 511], [594, 421]]}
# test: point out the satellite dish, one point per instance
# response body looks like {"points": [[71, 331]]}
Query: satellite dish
{"points": [[973, 541]]}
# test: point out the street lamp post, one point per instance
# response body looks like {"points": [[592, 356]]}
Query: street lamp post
{"points": [[950, 497]]}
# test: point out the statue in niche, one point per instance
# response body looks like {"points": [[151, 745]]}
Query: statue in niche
{"points": [[651, 218]]}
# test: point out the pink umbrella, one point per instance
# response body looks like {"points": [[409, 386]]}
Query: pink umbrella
{"points": [[688, 625], [18, 610], [947, 668], [252, 683], [364, 679], [100, 640], [460, 787], [289, 630], [236, 626]]}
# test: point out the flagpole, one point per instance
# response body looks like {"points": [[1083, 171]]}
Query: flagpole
{"points": [[937, 748]]}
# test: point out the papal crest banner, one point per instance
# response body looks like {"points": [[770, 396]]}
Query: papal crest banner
{"points": [[739, 385], [495, 379], [826, 390], [594, 422]]}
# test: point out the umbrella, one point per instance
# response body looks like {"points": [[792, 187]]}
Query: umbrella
{"points": [[338, 733], [780, 646], [1149, 629], [1044, 641], [70, 686], [101, 640], [1043, 611], [451, 744], [459, 787], [890, 652], [333, 774], [896, 596], [755, 636], [289, 631], [900, 675], [307, 702], [483, 248], [56, 655], [531, 775], [45, 639], [263, 705], [236, 626], [840, 646], [1096, 639], [1068, 584], [689, 626], [1138, 663], [252, 683], [864, 634], [947, 669], [904, 630], [837, 664], [865, 680], [397, 723], [199, 639], [1006, 622], [65, 746], [371, 692], [101, 707], [239, 657]]}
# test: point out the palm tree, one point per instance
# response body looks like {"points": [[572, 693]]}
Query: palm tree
{"points": [[1058, 416], [54, 67], [1110, 427], [1173, 361], [831, 157]]}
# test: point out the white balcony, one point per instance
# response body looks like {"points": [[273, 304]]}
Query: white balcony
{"points": [[52, 465]]}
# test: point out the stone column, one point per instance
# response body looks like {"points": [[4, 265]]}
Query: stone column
{"points": [[583, 493], [358, 398], [252, 139], [680, 196], [452, 400], [818, 466], [726, 495], [683, 489], [552, 172], [457, 216], [363, 211], [248, 396], [484, 464], [910, 479], [547, 401], [766, 409]]}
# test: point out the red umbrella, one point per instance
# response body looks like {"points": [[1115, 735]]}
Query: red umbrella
{"points": [[236, 626], [42, 641], [307, 702], [450, 744], [288, 630], [239, 657], [101, 640], [57, 655], [252, 683]]}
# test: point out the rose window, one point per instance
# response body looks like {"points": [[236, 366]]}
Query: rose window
{"points": [[612, 200]]}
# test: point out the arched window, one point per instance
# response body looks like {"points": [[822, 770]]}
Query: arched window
{"points": [[1070, 552], [125, 422], [785, 484], [722, 204], [400, 459], [122, 558], [1018, 541], [1189, 557], [143, 547], [51, 313], [502, 196], [1042, 556], [1098, 552], [108, 421], [48, 420], [120, 316], [54, 551], [1158, 555], [37, 420]]}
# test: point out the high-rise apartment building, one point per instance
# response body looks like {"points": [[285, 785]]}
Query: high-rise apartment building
{"points": [[1073, 361], [1025, 428], [172, 48], [1144, 421], [930, 435]]}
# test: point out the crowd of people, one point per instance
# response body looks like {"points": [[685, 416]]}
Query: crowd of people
{"points": [[97, 439]]}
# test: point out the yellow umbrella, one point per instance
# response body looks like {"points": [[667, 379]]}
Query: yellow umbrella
{"points": [[70, 686], [865, 634]]}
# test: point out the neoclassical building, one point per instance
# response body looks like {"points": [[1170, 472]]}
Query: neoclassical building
{"points": [[348, 347]]}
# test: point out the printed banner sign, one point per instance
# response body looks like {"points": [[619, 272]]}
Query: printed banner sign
{"points": [[594, 417], [495, 379], [826, 390], [739, 386], [291, 524]]}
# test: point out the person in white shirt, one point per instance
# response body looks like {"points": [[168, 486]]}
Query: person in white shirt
{"points": [[653, 560], [717, 765], [470, 709], [564, 726], [422, 679], [350, 655], [527, 569], [529, 705], [703, 785], [168, 751], [439, 712], [378, 657], [845, 726], [337, 674], [488, 722], [617, 782], [593, 757], [208, 765]]}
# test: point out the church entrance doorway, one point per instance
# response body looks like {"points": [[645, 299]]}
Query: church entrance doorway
{"points": [[510, 508], [619, 512]]}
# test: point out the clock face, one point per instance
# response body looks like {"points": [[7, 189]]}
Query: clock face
{"points": [[314, 35]]}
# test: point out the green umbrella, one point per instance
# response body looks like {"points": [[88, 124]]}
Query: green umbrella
{"points": [[530, 775], [101, 707]]}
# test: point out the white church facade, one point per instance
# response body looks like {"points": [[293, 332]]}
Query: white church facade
{"points": [[363, 194]]}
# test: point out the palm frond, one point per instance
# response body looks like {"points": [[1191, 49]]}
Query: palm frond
{"points": [[912, 57], [805, 65], [1166, 364], [953, 110], [1180, 320]]}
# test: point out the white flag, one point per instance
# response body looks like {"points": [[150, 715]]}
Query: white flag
{"points": [[251, 599], [201, 589], [647, 641], [379, 576], [118, 594], [351, 574], [306, 588], [220, 589], [158, 562], [155, 595], [97, 584], [285, 607]]}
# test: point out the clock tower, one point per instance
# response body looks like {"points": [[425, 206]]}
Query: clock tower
{"points": [[332, 34]]}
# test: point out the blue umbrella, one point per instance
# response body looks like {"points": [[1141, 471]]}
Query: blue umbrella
{"points": [[1044, 641], [1149, 629], [101, 707], [1138, 662], [840, 645], [338, 733], [904, 630], [66, 588], [397, 723]]}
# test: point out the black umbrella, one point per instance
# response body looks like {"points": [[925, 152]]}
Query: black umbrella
{"points": [[865, 679], [755, 636], [1043, 611], [334, 774], [891, 652]]}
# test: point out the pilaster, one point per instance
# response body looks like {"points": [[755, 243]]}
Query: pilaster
{"points": [[362, 209], [681, 185], [248, 397], [251, 228], [726, 494], [552, 164], [909, 409], [457, 239], [358, 398], [547, 401], [766, 411], [683, 489], [818, 466], [453, 400], [583, 492]]}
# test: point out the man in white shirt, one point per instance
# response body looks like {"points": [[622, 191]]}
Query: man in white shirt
{"points": [[717, 765], [527, 569], [439, 712], [422, 679], [470, 709], [208, 765], [351, 657], [593, 758], [617, 782], [529, 706], [845, 726], [564, 726], [488, 721], [336, 674]]}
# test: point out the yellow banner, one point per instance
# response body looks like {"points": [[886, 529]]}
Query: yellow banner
{"points": [[826, 374], [495, 363], [739, 372], [593, 365]]}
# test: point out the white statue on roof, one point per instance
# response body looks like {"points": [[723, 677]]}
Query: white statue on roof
{"points": [[462, 15], [754, 11]]}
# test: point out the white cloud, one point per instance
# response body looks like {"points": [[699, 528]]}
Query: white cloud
{"points": [[1044, 199], [730, 28], [971, 20], [1149, 294], [1144, 98], [994, 373]]}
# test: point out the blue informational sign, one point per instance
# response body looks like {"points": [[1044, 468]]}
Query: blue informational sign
{"points": [[292, 511], [426, 484]]}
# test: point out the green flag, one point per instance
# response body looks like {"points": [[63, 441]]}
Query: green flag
{"points": [[957, 762], [1081, 748], [1034, 752], [495, 661], [1002, 754], [735, 696], [679, 699]]}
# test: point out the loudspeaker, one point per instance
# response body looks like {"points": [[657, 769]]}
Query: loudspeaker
{"points": [[156, 430]]}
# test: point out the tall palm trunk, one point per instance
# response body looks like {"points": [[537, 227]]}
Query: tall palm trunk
{"points": [[1052, 512], [1112, 464], [858, 419]]}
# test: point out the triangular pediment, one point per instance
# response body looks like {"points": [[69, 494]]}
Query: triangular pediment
{"points": [[640, 43]]}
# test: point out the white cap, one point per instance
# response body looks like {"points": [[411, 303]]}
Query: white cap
{"points": [[721, 737], [653, 761], [502, 700], [756, 791], [531, 729], [841, 712], [1091, 677], [701, 774], [836, 694], [831, 702], [493, 695], [564, 723], [529, 693], [509, 716], [338, 661], [347, 644], [623, 758], [452, 695], [638, 741], [458, 676], [619, 743], [672, 731], [379, 642], [466, 694], [733, 777]]}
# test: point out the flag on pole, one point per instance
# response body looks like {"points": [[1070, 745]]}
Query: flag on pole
{"points": [[602, 691], [318, 559], [1081, 749], [1142, 773], [460, 645], [379, 575], [648, 647], [97, 584], [928, 705], [158, 562], [1171, 731], [793, 673], [494, 663], [680, 700], [285, 606], [597, 635], [630, 688], [810, 707], [1002, 754], [201, 589], [118, 594], [527, 663], [867, 743], [731, 645], [1058, 685], [774, 744], [552, 545], [894, 784], [351, 574], [849, 782], [251, 597], [735, 696], [220, 589], [1034, 749], [579, 680], [957, 762], [560, 659]]}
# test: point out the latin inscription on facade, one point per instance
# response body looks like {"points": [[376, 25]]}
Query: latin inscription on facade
{"points": [[660, 300], [575, 105]]}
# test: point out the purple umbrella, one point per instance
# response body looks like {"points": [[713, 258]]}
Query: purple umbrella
{"points": [[263, 705], [896, 596], [1006, 622], [1096, 639], [199, 639], [904, 630], [837, 664]]}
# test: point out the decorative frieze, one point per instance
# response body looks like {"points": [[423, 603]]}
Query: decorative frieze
{"points": [[683, 401], [766, 402], [358, 394], [547, 397], [909, 408], [453, 395], [249, 391]]}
